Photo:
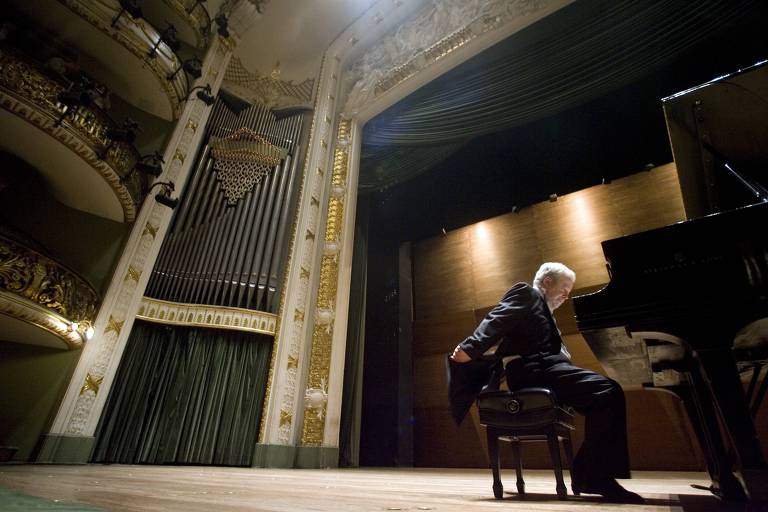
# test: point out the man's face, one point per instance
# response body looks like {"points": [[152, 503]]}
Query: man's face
{"points": [[556, 290]]}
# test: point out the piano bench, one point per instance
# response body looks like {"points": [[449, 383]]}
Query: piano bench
{"points": [[527, 414]]}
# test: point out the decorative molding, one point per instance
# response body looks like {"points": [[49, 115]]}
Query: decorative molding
{"points": [[437, 30], [28, 93], [34, 314], [316, 394], [266, 90], [202, 315], [46, 283]]}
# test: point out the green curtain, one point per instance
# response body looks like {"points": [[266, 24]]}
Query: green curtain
{"points": [[352, 398], [185, 395]]}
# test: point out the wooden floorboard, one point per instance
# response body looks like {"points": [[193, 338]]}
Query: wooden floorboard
{"points": [[213, 489]]}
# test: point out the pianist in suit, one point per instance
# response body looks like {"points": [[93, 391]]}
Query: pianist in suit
{"points": [[521, 332]]}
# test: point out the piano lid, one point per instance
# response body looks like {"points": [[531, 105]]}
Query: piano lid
{"points": [[722, 121]]}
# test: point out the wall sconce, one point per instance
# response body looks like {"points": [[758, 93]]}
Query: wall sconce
{"points": [[167, 36], [204, 94], [222, 25], [193, 67], [164, 196], [129, 6]]}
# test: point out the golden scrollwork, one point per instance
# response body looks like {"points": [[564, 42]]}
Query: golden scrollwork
{"points": [[43, 281]]}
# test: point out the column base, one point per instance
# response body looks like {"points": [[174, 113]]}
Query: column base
{"points": [[305, 457], [63, 449]]}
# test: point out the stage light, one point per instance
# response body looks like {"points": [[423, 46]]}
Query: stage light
{"points": [[203, 94], [150, 164], [164, 196], [193, 67]]}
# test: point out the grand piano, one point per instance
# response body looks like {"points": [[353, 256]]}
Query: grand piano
{"points": [[687, 304]]}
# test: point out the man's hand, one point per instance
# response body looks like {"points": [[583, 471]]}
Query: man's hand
{"points": [[460, 356]]}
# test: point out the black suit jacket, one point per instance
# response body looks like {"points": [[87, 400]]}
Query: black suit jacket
{"points": [[521, 324]]}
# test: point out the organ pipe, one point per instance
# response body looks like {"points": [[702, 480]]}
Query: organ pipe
{"points": [[227, 241]]}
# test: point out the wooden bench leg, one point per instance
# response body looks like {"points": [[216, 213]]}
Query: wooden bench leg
{"points": [[554, 452], [517, 454], [493, 456]]}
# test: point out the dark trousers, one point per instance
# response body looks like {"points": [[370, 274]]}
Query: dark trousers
{"points": [[601, 400]]}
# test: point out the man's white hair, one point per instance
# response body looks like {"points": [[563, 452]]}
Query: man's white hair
{"points": [[554, 270]]}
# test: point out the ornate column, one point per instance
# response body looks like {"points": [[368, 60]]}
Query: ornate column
{"points": [[70, 439]]}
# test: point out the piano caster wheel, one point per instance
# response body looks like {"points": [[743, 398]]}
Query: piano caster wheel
{"points": [[520, 488], [498, 491], [575, 493]]}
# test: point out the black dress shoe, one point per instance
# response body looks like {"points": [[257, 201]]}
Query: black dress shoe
{"points": [[610, 490]]}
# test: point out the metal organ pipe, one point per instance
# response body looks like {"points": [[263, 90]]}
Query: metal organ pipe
{"points": [[225, 255]]}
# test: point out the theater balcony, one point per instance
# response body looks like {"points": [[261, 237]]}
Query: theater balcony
{"points": [[192, 18], [42, 302], [70, 140], [122, 49]]}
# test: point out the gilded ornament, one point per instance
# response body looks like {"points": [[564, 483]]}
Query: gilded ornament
{"points": [[149, 229], [91, 384], [132, 274], [242, 160], [114, 325]]}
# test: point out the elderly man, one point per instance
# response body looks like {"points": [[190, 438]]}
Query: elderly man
{"points": [[521, 332]]}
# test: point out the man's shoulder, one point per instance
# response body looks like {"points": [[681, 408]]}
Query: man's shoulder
{"points": [[519, 291]]}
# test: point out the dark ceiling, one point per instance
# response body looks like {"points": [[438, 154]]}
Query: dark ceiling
{"points": [[572, 99]]}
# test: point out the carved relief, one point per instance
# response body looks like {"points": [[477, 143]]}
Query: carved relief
{"points": [[439, 28], [266, 90]]}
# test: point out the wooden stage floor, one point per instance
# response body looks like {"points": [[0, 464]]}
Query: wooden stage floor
{"points": [[213, 489]]}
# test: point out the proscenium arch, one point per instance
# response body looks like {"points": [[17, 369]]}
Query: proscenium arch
{"points": [[305, 391]]}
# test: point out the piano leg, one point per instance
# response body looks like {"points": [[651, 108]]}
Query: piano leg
{"points": [[719, 375], [698, 401]]}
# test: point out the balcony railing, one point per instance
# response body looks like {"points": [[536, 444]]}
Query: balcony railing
{"points": [[40, 291]]}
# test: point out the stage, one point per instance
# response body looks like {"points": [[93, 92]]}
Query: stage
{"points": [[214, 489]]}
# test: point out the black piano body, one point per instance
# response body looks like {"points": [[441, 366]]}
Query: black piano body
{"points": [[680, 295]]}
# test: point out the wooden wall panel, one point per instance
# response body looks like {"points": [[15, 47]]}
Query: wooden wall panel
{"points": [[503, 248], [442, 275], [440, 334]]}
